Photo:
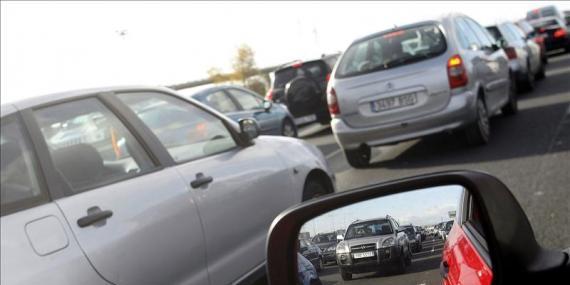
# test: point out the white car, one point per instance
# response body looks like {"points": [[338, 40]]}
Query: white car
{"points": [[173, 193]]}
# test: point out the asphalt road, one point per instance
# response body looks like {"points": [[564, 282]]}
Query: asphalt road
{"points": [[423, 270], [529, 152]]}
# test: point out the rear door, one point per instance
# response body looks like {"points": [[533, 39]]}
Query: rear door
{"points": [[136, 222], [394, 76], [238, 190], [35, 236]]}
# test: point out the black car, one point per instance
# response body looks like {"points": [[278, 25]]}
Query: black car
{"points": [[301, 86], [325, 240]]}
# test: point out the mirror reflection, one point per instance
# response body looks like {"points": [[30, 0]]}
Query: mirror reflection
{"points": [[396, 239]]}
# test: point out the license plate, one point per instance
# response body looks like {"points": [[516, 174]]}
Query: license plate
{"points": [[393, 102], [363, 254], [306, 119]]}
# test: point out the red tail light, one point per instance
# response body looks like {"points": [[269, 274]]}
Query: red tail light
{"points": [[269, 95], [542, 30], [333, 102], [456, 72], [539, 40], [328, 77], [560, 33], [511, 52]]}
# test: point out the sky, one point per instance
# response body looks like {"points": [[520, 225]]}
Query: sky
{"points": [[51, 47], [421, 207]]}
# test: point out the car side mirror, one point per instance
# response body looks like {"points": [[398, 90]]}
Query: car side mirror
{"points": [[267, 105], [249, 130], [484, 210]]}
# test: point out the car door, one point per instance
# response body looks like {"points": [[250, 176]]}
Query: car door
{"points": [[136, 221], [494, 68], [37, 245], [251, 106], [239, 190]]}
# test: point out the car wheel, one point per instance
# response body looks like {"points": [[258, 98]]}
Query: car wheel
{"points": [[345, 275], [288, 129], [511, 107], [529, 81], [314, 188], [479, 132], [358, 158], [541, 74]]}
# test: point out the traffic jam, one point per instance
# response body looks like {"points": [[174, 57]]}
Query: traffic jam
{"points": [[426, 152]]}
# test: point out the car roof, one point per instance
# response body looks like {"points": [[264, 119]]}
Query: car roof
{"points": [[369, 220], [60, 96]]}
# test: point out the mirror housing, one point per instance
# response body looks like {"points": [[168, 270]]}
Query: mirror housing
{"points": [[515, 255], [249, 130], [267, 105]]}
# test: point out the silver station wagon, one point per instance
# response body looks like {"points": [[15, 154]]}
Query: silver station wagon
{"points": [[142, 186], [417, 80]]}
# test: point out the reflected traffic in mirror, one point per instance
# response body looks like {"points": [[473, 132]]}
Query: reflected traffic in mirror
{"points": [[396, 239]]}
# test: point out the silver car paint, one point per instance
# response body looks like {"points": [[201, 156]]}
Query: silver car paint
{"points": [[438, 108], [38, 247], [155, 235]]}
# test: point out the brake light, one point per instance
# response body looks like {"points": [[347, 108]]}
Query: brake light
{"points": [[333, 102], [297, 64], [393, 34], [269, 95], [539, 40], [328, 77], [542, 30], [560, 33], [511, 53], [456, 72]]}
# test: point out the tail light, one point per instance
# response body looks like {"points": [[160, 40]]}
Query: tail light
{"points": [[328, 77], [456, 72], [333, 102], [560, 33], [539, 40], [269, 95], [511, 53]]}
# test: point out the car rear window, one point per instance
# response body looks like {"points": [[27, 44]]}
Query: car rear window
{"points": [[538, 13], [313, 69], [545, 24], [391, 49]]}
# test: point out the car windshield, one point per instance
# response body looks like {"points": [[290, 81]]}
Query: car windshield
{"points": [[368, 229], [322, 238], [391, 49]]}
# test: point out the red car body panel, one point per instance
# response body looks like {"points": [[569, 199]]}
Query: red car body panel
{"points": [[465, 264]]}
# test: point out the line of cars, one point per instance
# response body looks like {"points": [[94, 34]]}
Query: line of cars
{"points": [[445, 75]]}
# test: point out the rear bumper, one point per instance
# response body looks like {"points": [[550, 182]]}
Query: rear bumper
{"points": [[385, 257], [460, 111], [557, 43]]}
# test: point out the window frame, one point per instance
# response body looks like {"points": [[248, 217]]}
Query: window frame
{"points": [[236, 101], [44, 197], [227, 94], [148, 132]]}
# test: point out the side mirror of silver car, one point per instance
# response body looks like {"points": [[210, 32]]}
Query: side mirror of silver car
{"points": [[480, 207], [249, 130]]}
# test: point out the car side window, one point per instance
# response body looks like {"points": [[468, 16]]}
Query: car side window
{"points": [[186, 131], [220, 101], [19, 184], [467, 34], [247, 100], [480, 33], [89, 145], [474, 216]]}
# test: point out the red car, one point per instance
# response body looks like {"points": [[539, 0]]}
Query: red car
{"points": [[465, 253]]}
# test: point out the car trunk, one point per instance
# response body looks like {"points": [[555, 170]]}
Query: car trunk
{"points": [[394, 95]]}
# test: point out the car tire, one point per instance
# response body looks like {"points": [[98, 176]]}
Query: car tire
{"points": [[541, 74], [512, 107], [288, 128], [314, 188], [479, 132], [529, 82], [345, 275], [360, 157]]}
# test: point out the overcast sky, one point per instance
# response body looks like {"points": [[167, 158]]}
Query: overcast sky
{"points": [[50, 47], [421, 207]]}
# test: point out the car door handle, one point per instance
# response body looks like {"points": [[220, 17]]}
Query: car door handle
{"points": [[444, 269], [94, 217], [200, 180]]}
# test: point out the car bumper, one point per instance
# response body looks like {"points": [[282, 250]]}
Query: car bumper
{"points": [[552, 43], [385, 257], [460, 111]]}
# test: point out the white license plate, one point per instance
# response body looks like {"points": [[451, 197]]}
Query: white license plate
{"points": [[305, 119], [393, 102], [363, 254]]}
